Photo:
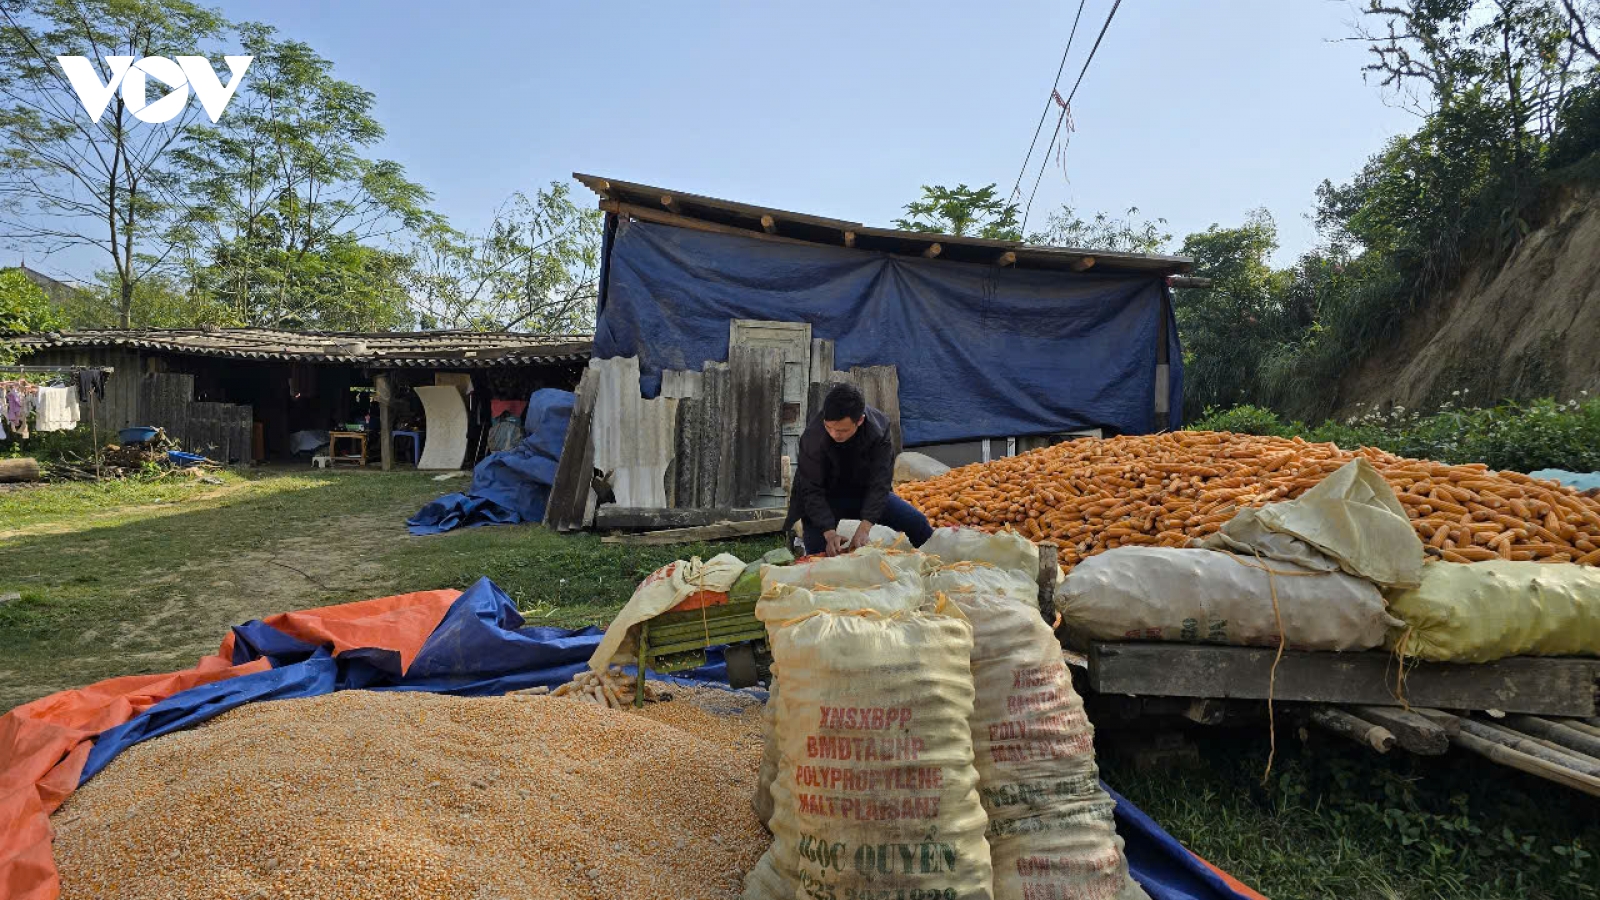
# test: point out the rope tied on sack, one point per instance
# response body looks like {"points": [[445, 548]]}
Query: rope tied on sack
{"points": [[1399, 657], [700, 588], [1283, 642]]}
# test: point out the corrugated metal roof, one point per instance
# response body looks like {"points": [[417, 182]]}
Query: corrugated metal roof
{"points": [[767, 223], [389, 349]]}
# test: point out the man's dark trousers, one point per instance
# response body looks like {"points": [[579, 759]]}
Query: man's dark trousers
{"points": [[897, 514]]}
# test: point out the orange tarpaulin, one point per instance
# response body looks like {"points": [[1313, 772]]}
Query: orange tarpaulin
{"points": [[43, 744], [401, 623]]}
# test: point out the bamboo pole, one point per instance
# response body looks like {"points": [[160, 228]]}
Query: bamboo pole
{"points": [[1359, 730], [1524, 763], [1557, 733], [1521, 743]]}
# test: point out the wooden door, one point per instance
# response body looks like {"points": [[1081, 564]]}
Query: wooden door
{"points": [[793, 340]]}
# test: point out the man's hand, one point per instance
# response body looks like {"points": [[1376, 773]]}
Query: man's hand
{"points": [[835, 541], [862, 533]]}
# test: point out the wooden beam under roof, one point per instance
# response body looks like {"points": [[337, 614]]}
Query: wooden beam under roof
{"points": [[662, 217], [637, 194]]}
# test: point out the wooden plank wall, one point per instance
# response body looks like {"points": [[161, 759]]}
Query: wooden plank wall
{"points": [[569, 495], [880, 385], [164, 401], [221, 432], [755, 432], [724, 429], [716, 453], [680, 389], [119, 408]]}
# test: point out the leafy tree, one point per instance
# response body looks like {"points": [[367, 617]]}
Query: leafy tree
{"points": [[24, 309], [159, 301], [535, 268], [283, 204], [66, 181], [962, 212], [1126, 234], [1506, 90], [1228, 327], [1505, 65]]}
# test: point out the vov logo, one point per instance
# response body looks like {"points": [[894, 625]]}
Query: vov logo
{"points": [[188, 72]]}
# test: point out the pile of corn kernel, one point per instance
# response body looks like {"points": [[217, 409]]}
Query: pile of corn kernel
{"points": [[361, 794]]}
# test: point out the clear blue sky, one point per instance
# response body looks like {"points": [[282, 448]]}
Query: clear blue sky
{"points": [[1193, 110]]}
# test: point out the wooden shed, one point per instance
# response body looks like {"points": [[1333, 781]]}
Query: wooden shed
{"points": [[238, 394]]}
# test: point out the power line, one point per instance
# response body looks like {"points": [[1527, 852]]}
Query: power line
{"points": [[1054, 86], [1065, 108]]}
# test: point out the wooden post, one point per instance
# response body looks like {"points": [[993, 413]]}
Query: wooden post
{"points": [[386, 435], [1359, 730], [1006, 259], [1416, 733], [849, 238], [94, 430], [769, 225], [569, 496], [671, 205], [1048, 570], [932, 251]]}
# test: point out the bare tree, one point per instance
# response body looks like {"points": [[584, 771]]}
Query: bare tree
{"points": [[535, 268], [67, 180]]}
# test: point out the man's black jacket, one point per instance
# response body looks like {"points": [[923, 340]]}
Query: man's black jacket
{"points": [[860, 468]]}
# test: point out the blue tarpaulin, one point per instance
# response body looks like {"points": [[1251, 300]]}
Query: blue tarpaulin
{"points": [[482, 647], [982, 351], [511, 486]]}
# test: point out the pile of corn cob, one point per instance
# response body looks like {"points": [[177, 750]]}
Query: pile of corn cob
{"points": [[612, 688]]}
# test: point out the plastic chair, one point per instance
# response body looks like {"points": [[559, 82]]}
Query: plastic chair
{"points": [[416, 443]]}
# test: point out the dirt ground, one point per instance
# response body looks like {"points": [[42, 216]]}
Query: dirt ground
{"points": [[185, 596]]}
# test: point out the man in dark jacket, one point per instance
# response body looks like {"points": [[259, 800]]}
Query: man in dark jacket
{"points": [[847, 472]]}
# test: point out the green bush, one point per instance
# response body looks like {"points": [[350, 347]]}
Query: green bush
{"points": [[1244, 419], [1522, 437]]}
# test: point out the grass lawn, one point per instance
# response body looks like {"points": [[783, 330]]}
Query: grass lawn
{"points": [[132, 577], [129, 577]]}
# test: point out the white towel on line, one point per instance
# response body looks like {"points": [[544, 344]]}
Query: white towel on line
{"points": [[57, 409]]}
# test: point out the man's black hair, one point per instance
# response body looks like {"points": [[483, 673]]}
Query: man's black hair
{"points": [[844, 401]]}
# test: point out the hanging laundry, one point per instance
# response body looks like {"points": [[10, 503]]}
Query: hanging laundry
{"points": [[57, 409], [16, 405], [91, 381]]}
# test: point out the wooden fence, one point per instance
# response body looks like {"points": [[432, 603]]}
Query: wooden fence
{"points": [[221, 432]]}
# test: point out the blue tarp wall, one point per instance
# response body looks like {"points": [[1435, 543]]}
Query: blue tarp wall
{"points": [[982, 351]]}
